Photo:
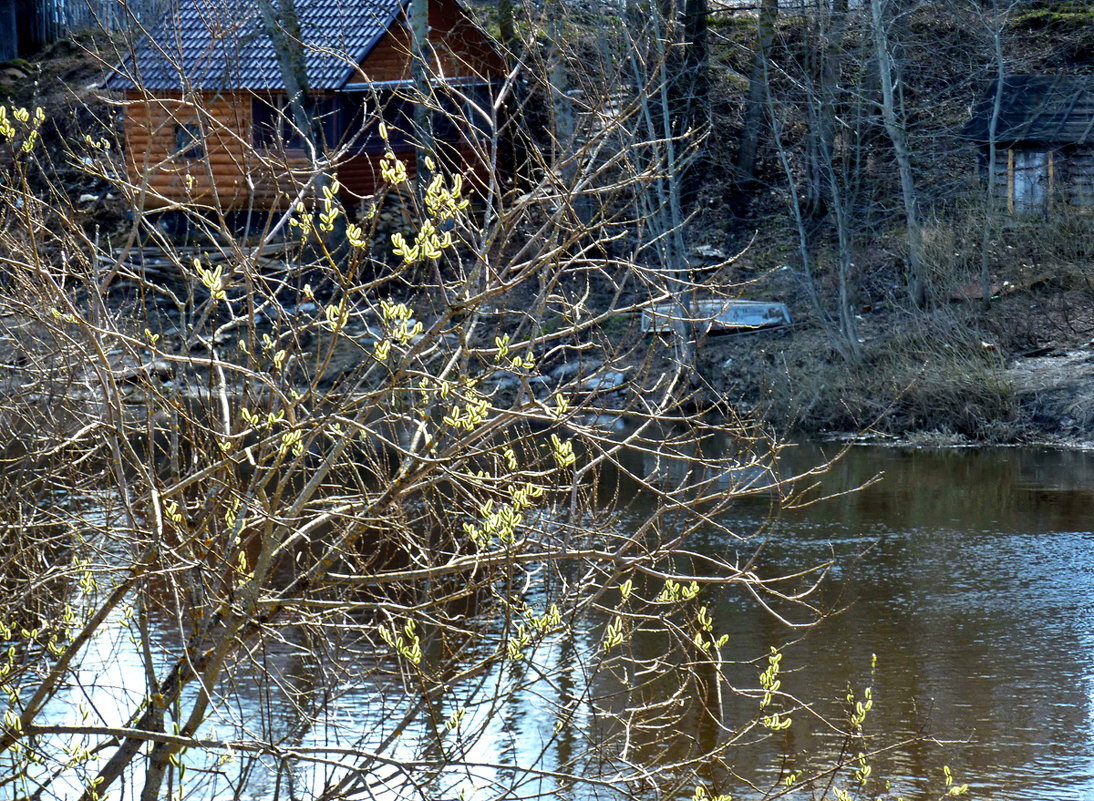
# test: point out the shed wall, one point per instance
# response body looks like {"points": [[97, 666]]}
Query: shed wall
{"points": [[231, 174], [1080, 177], [460, 49], [228, 174], [1065, 174]]}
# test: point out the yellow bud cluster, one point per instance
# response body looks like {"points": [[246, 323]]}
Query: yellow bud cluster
{"points": [[96, 144], [613, 635], [951, 788], [474, 413], [858, 712], [301, 221], [399, 323], [292, 440], [674, 591], [336, 315], [392, 170], [549, 621], [517, 643], [428, 244], [769, 679], [29, 122], [406, 642], [256, 420], [701, 794], [214, 280], [563, 451], [502, 524], [356, 236], [329, 215], [445, 203]]}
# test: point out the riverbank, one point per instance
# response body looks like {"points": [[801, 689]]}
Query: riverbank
{"points": [[1021, 371]]}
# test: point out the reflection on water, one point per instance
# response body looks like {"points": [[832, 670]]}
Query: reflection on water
{"points": [[969, 573], [977, 594]]}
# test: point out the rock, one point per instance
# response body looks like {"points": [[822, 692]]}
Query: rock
{"points": [[11, 75], [159, 368], [86, 199], [570, 370], [506, 380], [608, 381]]}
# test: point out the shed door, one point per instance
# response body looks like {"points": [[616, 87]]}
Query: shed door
{"points": [[1030, 180]]}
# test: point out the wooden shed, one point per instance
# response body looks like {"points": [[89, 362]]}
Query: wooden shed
{"points": [[206, 112], [1044, 139]]}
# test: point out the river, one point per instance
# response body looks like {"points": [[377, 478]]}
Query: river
{"points": [[976, 591], [968, 573]]}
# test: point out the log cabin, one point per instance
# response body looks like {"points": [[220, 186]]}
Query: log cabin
{"points": [[208, 121], [1044, 141]]}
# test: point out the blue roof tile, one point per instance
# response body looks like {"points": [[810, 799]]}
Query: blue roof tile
{"points": [[222, 44]]}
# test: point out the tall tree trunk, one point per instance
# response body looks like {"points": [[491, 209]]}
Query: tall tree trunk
{"points": [[993, 127], [894, 127], [696, 84], [663, 212], [830, 30], [749, 147], [282, 27], [563, 133], [420, 66]]}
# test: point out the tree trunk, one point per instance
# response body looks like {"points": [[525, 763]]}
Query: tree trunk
{"points": [[993, 126], [749, 146], [283, 29], [507, 28], [696, 86], [423, 117], [663, 215], [898, 135]]}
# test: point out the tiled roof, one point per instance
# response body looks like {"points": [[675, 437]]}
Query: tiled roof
{"points": [[221, 44], [1047, 109]]}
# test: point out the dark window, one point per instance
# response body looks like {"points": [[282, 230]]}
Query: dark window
{"points": [[453, 122], [363, 117], [480, 115], [188, 142], [273, 126]]}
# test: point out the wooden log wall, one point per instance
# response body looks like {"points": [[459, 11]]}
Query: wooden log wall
{"points": [[460, 49], [230, 173], [1079, 176]]}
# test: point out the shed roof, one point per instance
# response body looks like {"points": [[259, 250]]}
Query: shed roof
{"points": [[221, 44], [1046, 109]]}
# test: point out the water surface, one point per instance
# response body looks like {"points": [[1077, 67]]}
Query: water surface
{"points": [[968, 573]]}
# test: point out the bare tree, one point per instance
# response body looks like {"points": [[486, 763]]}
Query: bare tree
{"points": [[407, 489], [755, 116], [892, 111], [828, 185], [996, 25]]}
